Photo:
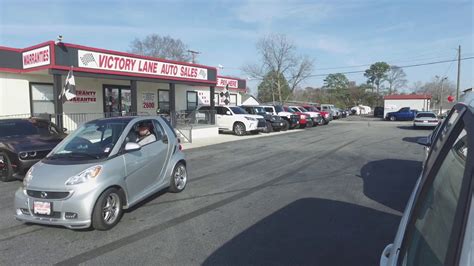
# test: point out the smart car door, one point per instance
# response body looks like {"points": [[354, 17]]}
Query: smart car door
{"points": [[138, 166]]}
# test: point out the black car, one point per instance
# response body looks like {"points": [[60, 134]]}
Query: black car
{"points": [[378, 111], [273, 122], [23, 142]]}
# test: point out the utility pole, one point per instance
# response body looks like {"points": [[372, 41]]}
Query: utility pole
{"points": [[193, 54], [459, 73]]}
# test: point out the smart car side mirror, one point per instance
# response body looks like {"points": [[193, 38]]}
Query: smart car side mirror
{"points": [[424, 141], [132, 146]]}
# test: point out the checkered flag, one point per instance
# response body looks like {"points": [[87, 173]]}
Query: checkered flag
{"points": [[88, 58], [69, 89]]}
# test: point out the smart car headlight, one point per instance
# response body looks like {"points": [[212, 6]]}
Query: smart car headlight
{"points": [[84, 176], [250, 118], [28, 177]]}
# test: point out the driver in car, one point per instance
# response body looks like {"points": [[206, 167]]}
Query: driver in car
{"points": [[144, 135]]}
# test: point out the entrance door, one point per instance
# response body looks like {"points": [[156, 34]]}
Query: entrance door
{"points": [[117, 100]]}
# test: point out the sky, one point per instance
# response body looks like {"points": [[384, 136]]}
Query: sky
{"points": [[339, 36]]}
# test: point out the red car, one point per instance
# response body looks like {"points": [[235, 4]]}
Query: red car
{"points": [[304, 118], [326, 115]]}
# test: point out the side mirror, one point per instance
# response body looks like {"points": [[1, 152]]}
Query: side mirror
{"points": [[424, 141], [165, 139], [64, 129], [228, 113], [132, 146]]}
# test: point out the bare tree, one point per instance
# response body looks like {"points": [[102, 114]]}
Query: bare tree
{"points": [[160, 46], [396, 79], [278, 56]]}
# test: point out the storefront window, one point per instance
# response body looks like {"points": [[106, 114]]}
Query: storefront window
{"points": [[117, 100], [163, 101], [233, 99], [191, 100], [42, 99]]}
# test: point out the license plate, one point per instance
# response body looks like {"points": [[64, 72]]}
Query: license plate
{"points": [[42, 207]]}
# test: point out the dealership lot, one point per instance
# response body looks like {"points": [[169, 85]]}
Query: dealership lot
{"points": [[330, 195]]}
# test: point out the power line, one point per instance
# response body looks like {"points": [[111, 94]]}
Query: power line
{"points": [[405, 66]]}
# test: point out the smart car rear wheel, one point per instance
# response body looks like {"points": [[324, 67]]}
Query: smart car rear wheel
{"points": [[107, 210], [6, 170], [179, 178]]}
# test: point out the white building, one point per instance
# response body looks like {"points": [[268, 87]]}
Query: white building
{"points": [[108, 83], [418, 102]]}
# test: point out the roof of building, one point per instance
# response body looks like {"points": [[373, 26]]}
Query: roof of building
{"points": [[407, 97]]}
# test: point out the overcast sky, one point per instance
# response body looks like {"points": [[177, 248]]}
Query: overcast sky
{"points": [[335, 34]]}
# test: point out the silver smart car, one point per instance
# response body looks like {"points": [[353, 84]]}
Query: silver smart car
{"points": [[103, 167]]}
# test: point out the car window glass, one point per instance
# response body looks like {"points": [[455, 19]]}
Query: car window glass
{"points": [[159, 130], [269, 109], [143, 133], [467, 256], [435, 217]]}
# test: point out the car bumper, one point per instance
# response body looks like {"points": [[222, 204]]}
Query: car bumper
{"points": [[252, 126], [81, 204], [425, 124], [317, 120], [278, 125]]}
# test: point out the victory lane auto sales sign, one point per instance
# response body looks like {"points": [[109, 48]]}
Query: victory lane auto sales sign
{"points": [[103, 61]]}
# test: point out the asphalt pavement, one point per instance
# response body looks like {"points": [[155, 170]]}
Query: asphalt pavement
{"points": [[330, 195]]}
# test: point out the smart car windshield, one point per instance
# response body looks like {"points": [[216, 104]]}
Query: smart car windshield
{"points": [[26, 128], [93, 140]]}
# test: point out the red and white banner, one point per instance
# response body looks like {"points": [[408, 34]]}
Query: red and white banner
{"points": [[103, 61], [37, 57], [222, 82]]}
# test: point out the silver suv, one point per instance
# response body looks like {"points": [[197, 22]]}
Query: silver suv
{"points": [[105, 166]]}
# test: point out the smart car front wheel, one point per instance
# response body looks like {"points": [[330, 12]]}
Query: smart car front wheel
{"points": [[107, 210]]}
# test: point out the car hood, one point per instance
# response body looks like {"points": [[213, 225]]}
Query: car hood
{"points": [[287, 114], [249, 115], [313, 114], [31, 143], [53, 176]]}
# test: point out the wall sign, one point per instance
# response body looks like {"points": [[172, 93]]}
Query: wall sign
{"points": [[37, 57], [203, 97], [148, 100], [95, 60], [84, 96], [223, 82]]}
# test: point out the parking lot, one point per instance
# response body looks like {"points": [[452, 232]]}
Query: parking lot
{"points": [[330, 195]]}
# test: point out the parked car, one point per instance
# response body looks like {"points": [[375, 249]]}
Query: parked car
{"points": [[235, 119], [23, 142], [404, 113], [314, 116], [326, 116], [103, 167], [425, 119], [437, 227], [378, 111], [273, 122], [330, 108], [292, 120], [304, 119]]}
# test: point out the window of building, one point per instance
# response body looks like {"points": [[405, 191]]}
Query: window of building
{"points": [[163, 101], [191, 100], [42, 98], [233, 99]]}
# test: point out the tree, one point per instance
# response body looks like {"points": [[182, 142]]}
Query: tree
{"points": [[396, 79], [433, 88], [336, 81], [164, 47], [376, 74], [278, 56], [267, 89]]}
